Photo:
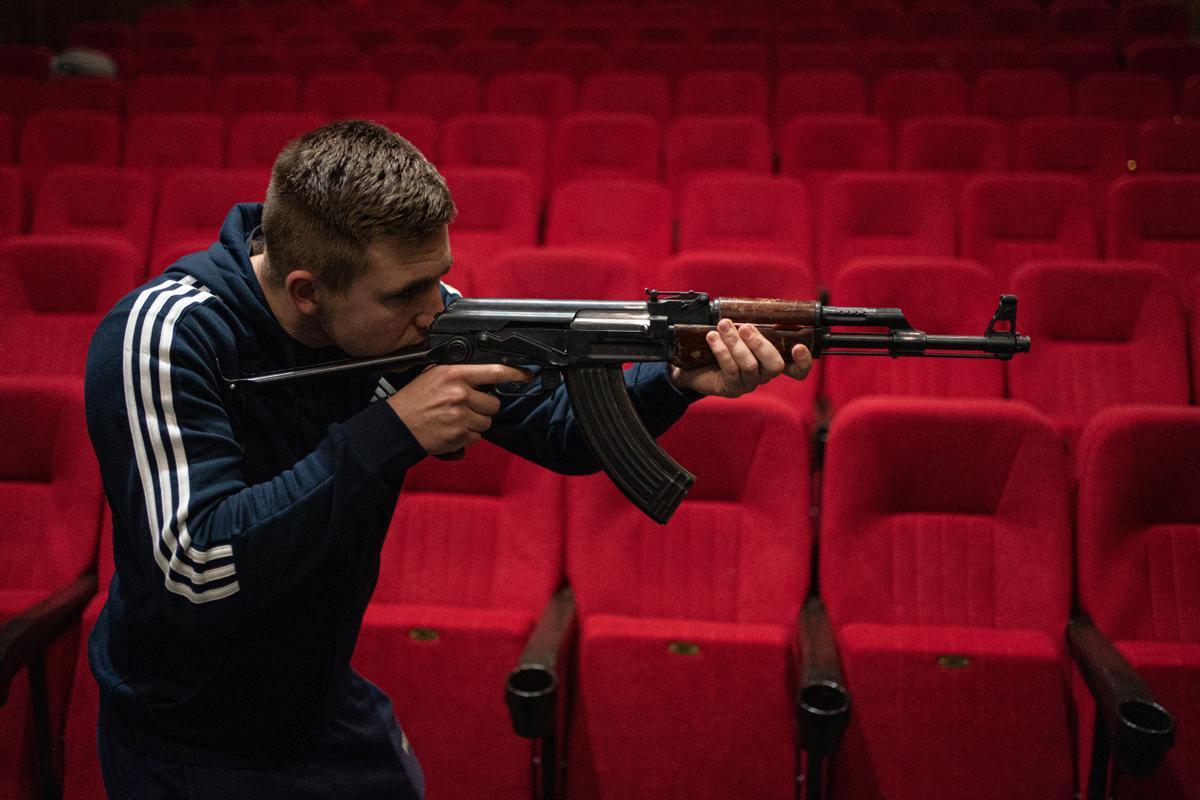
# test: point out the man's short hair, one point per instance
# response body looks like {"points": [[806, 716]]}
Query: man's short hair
{"points": [[336, 190]]}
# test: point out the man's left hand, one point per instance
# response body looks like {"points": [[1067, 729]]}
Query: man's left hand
{"points": [[745, 361]]}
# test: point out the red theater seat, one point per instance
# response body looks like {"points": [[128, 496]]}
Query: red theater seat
{"points": [[487, 58], [630, 92], [1168, 145], [719, 143], [56, 138], [597, 144], [1019, 93], [1153, 217], [1076, 59], [347, 94], [733, 274], [1105, 334], [1127, 96], [12, 202], [48, 541], [169, 93], [937, 295], [495, 140], [883, 213], [192, 205], [82, 93], [28, 60], [1092, 148], [236, 94], [1170, 59], [573, 273], [165, 141], [548, 95], [818, 92], [905, 93], [945, 564], [817, 147], [1139, 519], [497, 209], [51, 303], [1086, 20], [473, 556], [97, 202], [403, 58], [747, 214], [1009, 219], [955, 146], [626, 216], [255, 138], [441, 94], [686, 631], [722, 92]]}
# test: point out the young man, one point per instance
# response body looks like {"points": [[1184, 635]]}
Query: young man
{"points": [[247, 528]]}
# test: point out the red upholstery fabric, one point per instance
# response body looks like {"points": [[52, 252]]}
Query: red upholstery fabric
{"points": [[466, 570], [1077, 59], [241, 93], [27, 60], [1105, 333], [740, 49], [937, 295], [1171, 59], [1151, 217], [1127, 96], [54, 291], [83, 93], [403, 58], [577, 59], [737, 274], [495, 140], [1093, 148], [627, 216], [548, 95], [55, 138], [1192, 301], [956, 146], [97, 201], [818, 92], [12, 202], [903, 93], [345, 94], [882, 213], [149, 94], [165, 141], [1017, 94], [722, 92], [442, 94], [193, 204], [816, 147], [1152, 19], [1010, 219], [597, 144], [255, 138], [575, 273], [1082, 20], [719, 143], [630, 92], [1138, 563], [488, 57], [497, 208], [1168, 145], [685, 659], [746, 214], [50, 487], [669, 59], [19, 96], [946, 536]]}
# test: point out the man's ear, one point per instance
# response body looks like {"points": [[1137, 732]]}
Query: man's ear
{"points": [[301, 286]]}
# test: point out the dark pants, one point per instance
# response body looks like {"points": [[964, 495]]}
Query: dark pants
{"points": [[361, 755]]}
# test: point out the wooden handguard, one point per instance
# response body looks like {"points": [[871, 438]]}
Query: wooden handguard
{"points": [[692, 351]]}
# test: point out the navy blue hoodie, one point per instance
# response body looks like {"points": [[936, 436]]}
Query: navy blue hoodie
{"points": [[247, 528]]}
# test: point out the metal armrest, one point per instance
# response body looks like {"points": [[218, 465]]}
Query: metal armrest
{"points": [[532, 688], [1139, 730], [25, 638], [822, 701]]}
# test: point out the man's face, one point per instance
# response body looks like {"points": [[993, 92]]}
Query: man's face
{"points": [[390, 305]]}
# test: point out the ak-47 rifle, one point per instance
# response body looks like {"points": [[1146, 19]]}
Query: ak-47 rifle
{"points": [[587, 341]]}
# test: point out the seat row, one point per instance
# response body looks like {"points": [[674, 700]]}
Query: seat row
{"points": [[1009, 94], [1002, 220], [953, 563]]}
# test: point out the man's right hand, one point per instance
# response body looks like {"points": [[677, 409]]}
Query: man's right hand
{"points": [[444, 408]]}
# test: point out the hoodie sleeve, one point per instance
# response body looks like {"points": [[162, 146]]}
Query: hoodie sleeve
{"points": [[197, 532]]}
